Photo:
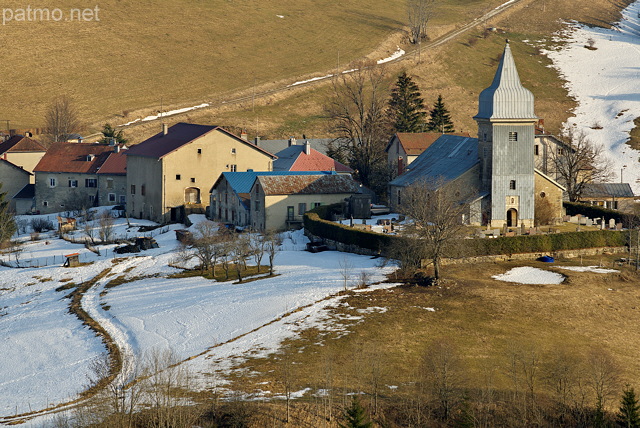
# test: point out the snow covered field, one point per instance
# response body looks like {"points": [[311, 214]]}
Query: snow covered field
{"points": [[47, 351], [604, 82]]}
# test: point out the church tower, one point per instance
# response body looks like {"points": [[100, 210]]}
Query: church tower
{"points": [[506, 133]]}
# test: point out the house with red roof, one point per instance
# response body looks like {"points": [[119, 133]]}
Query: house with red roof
{"points": [[112, 179], [67, 177], [174, 169], [305, 158]]}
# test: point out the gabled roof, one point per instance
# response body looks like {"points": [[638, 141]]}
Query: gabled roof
{"points": [[116, 164], [14, 166], [415, 143], [551, 180], [307, 184], [27, 192], [607, 190], [74, 157], [242, 182], [447, 158], [274, 146], [160, 145], [295, 158], [20, 143], [506, 98]]}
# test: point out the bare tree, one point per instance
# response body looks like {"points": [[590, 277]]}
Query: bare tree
{"points": [[273, 246], [346, 270], [603, 377], [105, 227], [443, 375], [61, 119], [357, 118], [581, 163], [7, 220], [437, 210], [207, 245], [419, 13]]}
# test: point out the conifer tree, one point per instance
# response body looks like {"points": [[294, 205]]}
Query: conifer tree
{"points": [[406, 107], [628, 415], [355, 416], [112, 134], [439, 118]]}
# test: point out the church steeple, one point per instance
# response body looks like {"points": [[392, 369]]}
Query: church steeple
{"points": [[506, 98]]}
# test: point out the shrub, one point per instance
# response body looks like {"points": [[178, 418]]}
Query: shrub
{"points": [[41, 225]]}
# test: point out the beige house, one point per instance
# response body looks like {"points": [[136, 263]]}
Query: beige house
{"points": [[67, 177], [172, 169], [278, 202], [615, 196], [13, 179], [22, 151]]}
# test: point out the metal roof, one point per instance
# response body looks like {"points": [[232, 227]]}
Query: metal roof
{"points": [[241, 182], [506, 98], [447, 158], [607, 190]]}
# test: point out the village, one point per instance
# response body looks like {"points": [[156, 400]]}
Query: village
{"points": [[203, 276]]}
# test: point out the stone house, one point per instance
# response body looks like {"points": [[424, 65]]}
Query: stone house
{"points": [[168, 171], [278, 202], [112, 179], [13, 179], [66, 178]]}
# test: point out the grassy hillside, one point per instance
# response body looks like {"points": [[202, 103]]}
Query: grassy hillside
{"points": [[134, 56], [458, 70]]}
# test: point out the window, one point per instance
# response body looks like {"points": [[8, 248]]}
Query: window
{"points": [[122, 199], [316, 204], [543, 195], [399, 199], [45, 203], [512, 184], [513, 136], [257, 205], [290, 213], [178, 177], [109, 183], [536, 150], [52, 182], [133, 189], [112, 197], [90, 182], [73, 183], [234, 168], [193, 179], [92, 199], [560, 151], [233, 151], [143, 190], [302, 208], [199, 151]]}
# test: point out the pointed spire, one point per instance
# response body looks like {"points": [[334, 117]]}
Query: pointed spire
{"points": [[506, 98]]}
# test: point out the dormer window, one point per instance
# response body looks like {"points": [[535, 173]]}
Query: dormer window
{"points": [[90, 158], [513, 136]]}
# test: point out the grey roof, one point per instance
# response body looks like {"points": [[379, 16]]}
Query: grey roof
{"points": [[27, 192], [607, 190], [506, 98], [274, 146], [447, 158], [318, 184]]}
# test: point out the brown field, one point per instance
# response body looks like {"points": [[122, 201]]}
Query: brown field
{"points": [[486, 322], [458, 70]]}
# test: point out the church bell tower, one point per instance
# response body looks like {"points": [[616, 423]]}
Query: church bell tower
{"points": [[506, 134]]}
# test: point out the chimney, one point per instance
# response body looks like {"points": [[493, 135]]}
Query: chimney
{"points": [[541, 124], [257, 141], [243, 135], [116, 149], [165, 129], [307, 148], [292, 141]]}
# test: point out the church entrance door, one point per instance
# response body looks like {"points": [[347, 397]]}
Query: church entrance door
{"points": [[512, 218]]}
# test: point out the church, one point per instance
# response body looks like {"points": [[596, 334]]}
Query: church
{"points": [[499, 164]]}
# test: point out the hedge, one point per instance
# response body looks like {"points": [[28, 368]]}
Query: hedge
{"points": [[317, 222]]}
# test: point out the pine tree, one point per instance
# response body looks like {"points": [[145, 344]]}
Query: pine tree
{"points": [[355, 416], [628, 415], [111, 134], [406, 107], [7, 221], [440, 119]]}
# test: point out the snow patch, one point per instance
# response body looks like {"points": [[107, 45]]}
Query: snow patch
{"points": [[530, 275]]}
